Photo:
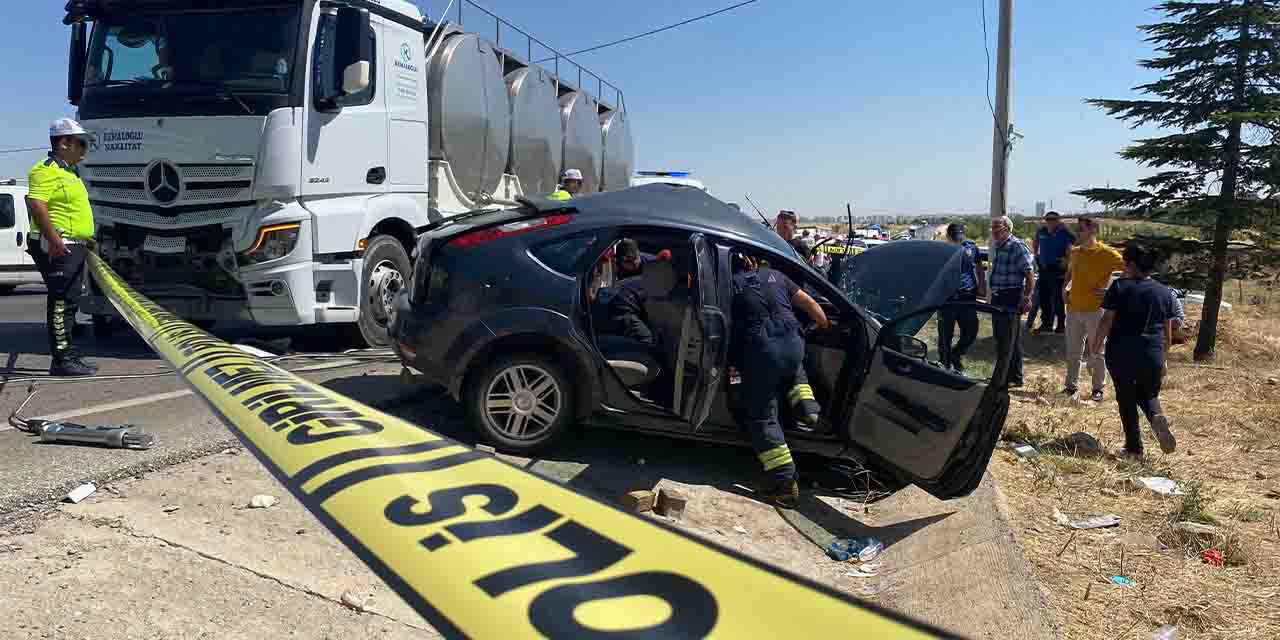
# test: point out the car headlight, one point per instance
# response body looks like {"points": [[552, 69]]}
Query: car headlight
{"points": [[274, 242]]}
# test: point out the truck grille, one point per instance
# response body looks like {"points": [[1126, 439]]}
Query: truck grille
{"points": [[171, 219], [127, 184]]}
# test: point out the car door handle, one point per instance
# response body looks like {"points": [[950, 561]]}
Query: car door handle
{"points": [[19, 238], [376, 175]]}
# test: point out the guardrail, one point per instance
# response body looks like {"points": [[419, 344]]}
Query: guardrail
{"points": [[476, 546]]}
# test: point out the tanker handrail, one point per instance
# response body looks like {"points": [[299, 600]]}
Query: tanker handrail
{"points": [[499, 21]]}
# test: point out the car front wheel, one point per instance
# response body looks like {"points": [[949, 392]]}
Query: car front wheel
{"points": [[521, 403]]}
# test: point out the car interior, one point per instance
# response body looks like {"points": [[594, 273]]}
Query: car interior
{"points": [[648, 368]]}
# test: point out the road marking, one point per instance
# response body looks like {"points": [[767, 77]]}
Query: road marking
{"points": [[161, 397]]}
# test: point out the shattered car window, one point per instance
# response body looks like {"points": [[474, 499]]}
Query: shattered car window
{"points": [[896, 279]]}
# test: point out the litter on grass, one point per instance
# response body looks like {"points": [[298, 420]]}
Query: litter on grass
{"points": [[1161, 486], [1096, 522]]}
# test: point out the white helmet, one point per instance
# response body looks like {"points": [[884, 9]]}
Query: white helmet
{"points": [[571, 174], [67, 127]]}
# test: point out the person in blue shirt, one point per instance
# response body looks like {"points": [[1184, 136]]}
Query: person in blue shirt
{"points": [[1137, 327], [972, 277], [1052, 246]]}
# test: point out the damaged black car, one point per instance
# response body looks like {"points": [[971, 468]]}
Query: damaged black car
{"points": [[613, 310]]}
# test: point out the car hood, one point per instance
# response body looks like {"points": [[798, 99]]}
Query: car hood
{"points": [[895, 279]]}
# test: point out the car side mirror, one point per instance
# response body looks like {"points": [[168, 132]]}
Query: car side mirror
{"points": [[355, 78], [909, 346]]}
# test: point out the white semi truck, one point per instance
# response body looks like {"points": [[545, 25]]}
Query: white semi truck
{"points": [[269, 161]]}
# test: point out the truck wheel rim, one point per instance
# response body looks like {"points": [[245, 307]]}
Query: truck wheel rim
{"points": [[384, 283], [522, 402]]}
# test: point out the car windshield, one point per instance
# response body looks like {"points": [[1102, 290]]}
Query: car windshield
{"points": [[898, 278], [249, 51]]}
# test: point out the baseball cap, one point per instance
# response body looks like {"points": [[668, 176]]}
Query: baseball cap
{"points": [[788, 214], [571, 174], [1052, 215], [67, 127]]}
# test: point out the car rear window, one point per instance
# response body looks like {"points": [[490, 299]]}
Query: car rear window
{"points": [[562, 255]]}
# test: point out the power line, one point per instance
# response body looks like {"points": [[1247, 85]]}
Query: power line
{"points": [[649, 33], [986, 48], [25, 150]]}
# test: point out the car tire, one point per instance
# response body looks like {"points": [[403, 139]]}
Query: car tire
{"points": [[542, 411], [386, 272], [102, 328]]}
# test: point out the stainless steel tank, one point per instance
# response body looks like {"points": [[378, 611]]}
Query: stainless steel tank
{"points": [[619, 157], [537, 139], [470, 115], [583, 145]]}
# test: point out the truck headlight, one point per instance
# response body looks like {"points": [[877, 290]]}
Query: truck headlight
{"points": [[274, 242]]}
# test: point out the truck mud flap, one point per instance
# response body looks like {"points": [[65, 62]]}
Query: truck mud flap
{"points": [[478, 547]]}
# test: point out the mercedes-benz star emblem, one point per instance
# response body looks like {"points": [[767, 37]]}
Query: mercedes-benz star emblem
{"points": [[163, 182]]}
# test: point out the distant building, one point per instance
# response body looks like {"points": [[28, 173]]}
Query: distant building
{"points": [[1040, 209]]}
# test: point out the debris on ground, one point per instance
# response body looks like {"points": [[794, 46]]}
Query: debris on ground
{"points": [[1026, 451], [170, 508], [866, 570], [355, 601], [1096, 522], [1123, 581], [1160, 485], [231, 452], [639, 501], [863, 549], [740, 529], [81, 492], [1078, 443], [263, 501], [1196, 529], [1213, 557], [1167, 632], [671, 503], [484, 448]]}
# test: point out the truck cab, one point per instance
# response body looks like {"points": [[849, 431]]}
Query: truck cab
{"points": [[268, 161]]}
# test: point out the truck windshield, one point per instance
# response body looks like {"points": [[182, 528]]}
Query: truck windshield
{"points": [[164, 64]]}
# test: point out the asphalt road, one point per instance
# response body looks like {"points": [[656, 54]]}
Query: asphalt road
{"points": [[34, 473]]}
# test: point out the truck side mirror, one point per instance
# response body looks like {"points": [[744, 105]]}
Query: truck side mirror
{"points": [[352, 44], [76, 60], [355, 78]]}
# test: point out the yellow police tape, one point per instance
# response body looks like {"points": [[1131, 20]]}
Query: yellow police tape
{"points": [[477, 546], [840, 249]]}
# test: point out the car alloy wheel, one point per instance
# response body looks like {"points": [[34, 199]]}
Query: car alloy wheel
{"points": [[522, 402]]}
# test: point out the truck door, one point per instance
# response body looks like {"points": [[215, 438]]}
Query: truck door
{"points": [[932, 424], [344, 151], [704, 335]]}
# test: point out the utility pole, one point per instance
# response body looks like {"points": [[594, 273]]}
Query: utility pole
{"points": [[1001, 135]]}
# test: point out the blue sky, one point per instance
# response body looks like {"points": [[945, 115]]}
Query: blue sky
{"points": [[802, 104]]}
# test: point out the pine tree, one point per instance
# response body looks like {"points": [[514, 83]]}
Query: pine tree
{"points": [[1220, 94]]}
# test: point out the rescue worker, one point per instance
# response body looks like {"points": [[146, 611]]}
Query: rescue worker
{"points": [[804, 407], [766, 349], [570, 185], [61, 238]]}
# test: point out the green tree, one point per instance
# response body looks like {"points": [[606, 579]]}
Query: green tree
{"points": [[1220, 61]]}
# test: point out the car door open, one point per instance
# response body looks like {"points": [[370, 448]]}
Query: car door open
{"points": [[703, 345], [931, 423]]}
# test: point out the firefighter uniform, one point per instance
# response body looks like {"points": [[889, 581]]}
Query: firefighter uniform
{"points": [[767, 349], [58, 185]]}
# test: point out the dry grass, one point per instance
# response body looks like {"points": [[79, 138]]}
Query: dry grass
{"points": [[1226, 415]]}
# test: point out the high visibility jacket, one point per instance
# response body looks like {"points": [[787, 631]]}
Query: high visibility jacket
{"points": [[559, 194], [59, 186]]}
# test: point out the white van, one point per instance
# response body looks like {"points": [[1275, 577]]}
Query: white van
{"points": [[16, 266]]}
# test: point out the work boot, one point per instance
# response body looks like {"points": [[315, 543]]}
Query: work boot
{"points": [[782, 493], [71, 367]]}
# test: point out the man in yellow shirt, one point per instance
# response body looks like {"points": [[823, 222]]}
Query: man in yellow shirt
{"points": [[62, 224], [1089, 270], [570, 185]]}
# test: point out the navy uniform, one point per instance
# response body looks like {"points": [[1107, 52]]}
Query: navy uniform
{"points": [[767, 349]]}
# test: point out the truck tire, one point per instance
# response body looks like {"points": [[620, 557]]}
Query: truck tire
{"points": [[521, 402], [102, 328], [386, 273]]}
